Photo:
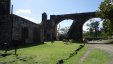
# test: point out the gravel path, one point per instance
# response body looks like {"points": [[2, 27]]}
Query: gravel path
{"points": [[85, 56], [105, 47]]}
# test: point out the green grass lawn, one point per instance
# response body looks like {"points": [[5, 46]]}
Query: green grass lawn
{"points": [[97, 57], [49, 54]]}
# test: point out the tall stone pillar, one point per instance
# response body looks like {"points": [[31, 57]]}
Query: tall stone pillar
{"points": [[44, 16], [43, 26], [54, 31], [75, 32], [54, 26], [5, 7]]}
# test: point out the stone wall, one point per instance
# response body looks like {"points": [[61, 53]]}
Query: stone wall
{"points": [[5, 28], [5, 7], [13, 27], [26, 30], [48, 29]]}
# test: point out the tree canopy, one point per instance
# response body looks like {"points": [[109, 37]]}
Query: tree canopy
{"points": [[93, 28], [106, 12], [106, 9]]}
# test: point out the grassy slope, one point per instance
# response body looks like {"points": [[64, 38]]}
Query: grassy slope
{"points": [[49, 54]]}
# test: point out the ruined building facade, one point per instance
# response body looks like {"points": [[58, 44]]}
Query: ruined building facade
{"points": [[13, 27], [48, 28]]}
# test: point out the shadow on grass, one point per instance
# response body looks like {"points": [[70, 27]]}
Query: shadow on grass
{"points": [[4, 50], [28, 59], [24, 59], [4, 55], [11, 47], [29, 45]]}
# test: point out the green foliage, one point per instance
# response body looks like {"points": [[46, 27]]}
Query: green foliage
{"points": [[107, 28], [64, 30], [86, 34], [106, 12], [93, 28], [63, 33], [105, 9]]}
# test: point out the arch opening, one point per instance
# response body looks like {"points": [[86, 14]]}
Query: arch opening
{"points": [[92, 28], [63, 28]]}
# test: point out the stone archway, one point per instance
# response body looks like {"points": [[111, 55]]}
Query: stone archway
{"points": [[75, 31]]}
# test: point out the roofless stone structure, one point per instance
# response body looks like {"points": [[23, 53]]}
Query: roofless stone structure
{"points": [[13, 27]]}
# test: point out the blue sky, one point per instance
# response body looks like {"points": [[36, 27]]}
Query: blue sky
{"points": [[33, 9]]}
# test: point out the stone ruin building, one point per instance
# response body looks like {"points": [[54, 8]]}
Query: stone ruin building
{"points": [[13, 27]]}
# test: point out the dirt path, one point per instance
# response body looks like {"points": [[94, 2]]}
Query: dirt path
{"points": [[85, 56], [105, 47]]}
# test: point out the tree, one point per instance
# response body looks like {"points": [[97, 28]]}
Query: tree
{"points": [[93, 28], [106, 9], [86, 34], [107, 28], [106, 12], [63, 32]]}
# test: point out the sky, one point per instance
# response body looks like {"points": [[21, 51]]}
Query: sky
{"points": [[33, 9]]}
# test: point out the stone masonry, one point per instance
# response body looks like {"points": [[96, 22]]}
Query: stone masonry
{"points": [[13, 27]]}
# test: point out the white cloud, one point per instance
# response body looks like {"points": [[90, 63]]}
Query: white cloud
{"points": [[85, 28], [23, 11], [31, 19], [101, 24]]}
